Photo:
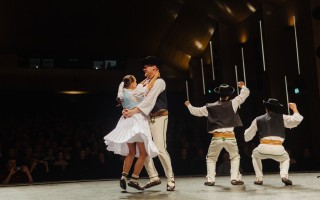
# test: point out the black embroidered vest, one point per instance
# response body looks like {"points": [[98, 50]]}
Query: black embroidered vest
{"points": [[270, 124], [221, 115], [161, 102]]}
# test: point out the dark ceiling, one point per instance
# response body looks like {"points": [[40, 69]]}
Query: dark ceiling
{"points": [[175, 30]]}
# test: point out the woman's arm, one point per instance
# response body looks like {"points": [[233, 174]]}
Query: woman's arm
{"points": [[151, 83], [144, 81]]}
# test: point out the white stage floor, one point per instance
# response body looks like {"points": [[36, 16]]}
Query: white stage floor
{"points": [[306, 186]]}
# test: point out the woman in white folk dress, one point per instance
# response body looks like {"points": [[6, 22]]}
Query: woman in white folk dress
{"points": [[132, 136]]}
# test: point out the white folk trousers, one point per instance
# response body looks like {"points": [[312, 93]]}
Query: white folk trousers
{"points": [[158, 126], [215, 147], [270, 151]]}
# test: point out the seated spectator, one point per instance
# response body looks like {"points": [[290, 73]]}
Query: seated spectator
{"points": [[16, 174], [101, 167], [199, 159], [246, 160], [307, 162], [293, 161], [40, 170], [183, 163], [49, 157], [1, 155], [81, 166], [60, 167]]}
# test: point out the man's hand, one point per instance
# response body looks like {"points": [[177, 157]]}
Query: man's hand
{"points": [[187, 103], [241, 84], [293, 107], [128, 113], [125, 113]]}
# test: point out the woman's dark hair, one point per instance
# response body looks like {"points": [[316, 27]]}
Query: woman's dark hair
{"points": [[118, 102], [127, 80]]}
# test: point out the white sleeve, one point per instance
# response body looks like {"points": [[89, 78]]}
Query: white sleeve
{"points": [[238, 100], [120, 91], [148, 103], [140, 90], [198, 111], [250, 132], [291, 121]]}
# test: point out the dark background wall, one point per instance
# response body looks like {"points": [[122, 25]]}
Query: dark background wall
{"points": [[65, 39]]}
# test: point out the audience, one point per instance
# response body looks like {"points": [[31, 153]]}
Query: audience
{"points": [[63, 146], [224, 167], [16, 174], [307, 161]]}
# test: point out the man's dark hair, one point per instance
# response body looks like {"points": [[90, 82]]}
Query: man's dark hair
{"points": [[272, 108]]}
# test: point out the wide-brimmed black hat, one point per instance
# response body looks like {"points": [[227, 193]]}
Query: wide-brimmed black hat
{"points": [[272, 102], [224, 89], [151, 60]]}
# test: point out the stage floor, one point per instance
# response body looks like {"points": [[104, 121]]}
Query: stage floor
{"points": [[306, 186]]}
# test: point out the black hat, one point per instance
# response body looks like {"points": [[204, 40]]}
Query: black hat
{"points": [[151, 60], [272, 102], [224, 89]]}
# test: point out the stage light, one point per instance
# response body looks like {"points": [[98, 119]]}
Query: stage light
{"points": [[73, 92]]}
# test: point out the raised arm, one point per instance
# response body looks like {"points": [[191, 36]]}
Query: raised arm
{"points": [[8, 178], [148, 103], [151, 83], [197, 111], [238, 100], [144, 81], [291, 121]]}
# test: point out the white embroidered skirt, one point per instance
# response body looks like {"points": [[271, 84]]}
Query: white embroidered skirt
{"points": [[130, 130]]}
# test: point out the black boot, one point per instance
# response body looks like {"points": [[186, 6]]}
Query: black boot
{"points": [[123, 181], [134, 182]]}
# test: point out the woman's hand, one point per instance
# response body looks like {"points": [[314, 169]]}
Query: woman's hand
{"points": [[157, 74]]}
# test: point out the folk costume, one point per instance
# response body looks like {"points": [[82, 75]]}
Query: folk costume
{"points": [[271, 132], [155, 106], [132, 129], [222, 118]]}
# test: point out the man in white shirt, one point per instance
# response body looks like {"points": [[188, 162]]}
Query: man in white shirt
{"points": [[271, 131], [222, 118], [155, 105]]}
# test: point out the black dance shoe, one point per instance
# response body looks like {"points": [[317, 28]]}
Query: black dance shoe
{"points": [[123, 184], [286, 181], [258, 182], [152, 183], [237, 182], [135, 185], [209, 183]]}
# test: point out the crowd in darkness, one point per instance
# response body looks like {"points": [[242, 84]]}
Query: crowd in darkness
{"points": [[63, 146]]}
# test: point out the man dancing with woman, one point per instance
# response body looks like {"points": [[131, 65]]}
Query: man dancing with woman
{"points": [[132, 136]]}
